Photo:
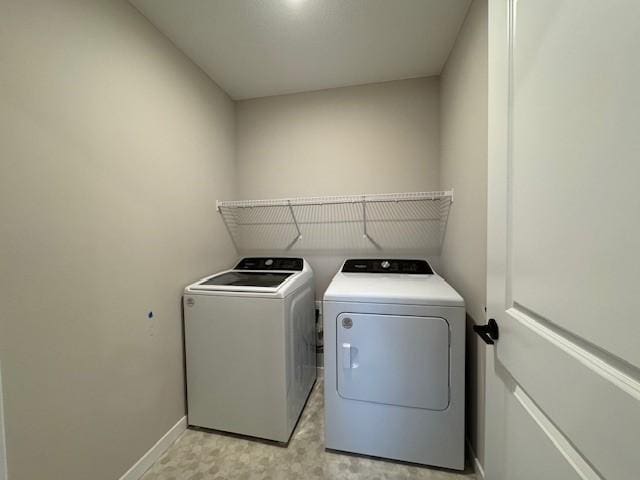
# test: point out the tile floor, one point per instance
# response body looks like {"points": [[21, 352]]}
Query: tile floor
{"points": [[199, 455]]}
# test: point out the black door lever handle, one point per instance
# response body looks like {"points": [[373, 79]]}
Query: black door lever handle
{"points": [[488, 332]]}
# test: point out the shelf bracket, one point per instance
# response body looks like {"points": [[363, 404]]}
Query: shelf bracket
{"points": [[365, 234], [295, 223], [227, 226]]}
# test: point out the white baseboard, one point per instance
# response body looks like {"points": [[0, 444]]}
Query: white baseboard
{"points": [[477, 466], [154, 453]]}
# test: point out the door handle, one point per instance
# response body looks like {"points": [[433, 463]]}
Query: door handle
{"points": [[489, 332], [346, 355]]}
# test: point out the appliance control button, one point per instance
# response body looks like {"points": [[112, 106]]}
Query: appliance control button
{"points": [[385, 264], [268, 262]]}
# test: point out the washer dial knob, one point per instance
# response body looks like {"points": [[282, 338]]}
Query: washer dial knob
{"points": [[385, 264]]}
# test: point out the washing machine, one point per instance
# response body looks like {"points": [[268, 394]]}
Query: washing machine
{"points": [[250, 347], [394, 335]]}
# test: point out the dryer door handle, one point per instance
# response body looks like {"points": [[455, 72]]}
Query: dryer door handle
{"points": [[346, 355]]}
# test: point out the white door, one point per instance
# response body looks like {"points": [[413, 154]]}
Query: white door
{"points": [[563, 380]]}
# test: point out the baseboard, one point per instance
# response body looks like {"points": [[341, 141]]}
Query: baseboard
{"points": [[477, 466], [154, 453]]}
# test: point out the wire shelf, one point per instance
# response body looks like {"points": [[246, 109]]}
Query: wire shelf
{"points": [[413, 221]]}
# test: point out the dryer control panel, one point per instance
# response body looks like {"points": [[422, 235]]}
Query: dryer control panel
{"points": [[391, 265]]}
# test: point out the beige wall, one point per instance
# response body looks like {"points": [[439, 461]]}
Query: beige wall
{"points": [[3, 452], [376, 138], [113, 150], [464, 167]]}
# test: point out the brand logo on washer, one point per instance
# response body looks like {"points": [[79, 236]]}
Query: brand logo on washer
{"points": [[190, 302], [347, 323]]}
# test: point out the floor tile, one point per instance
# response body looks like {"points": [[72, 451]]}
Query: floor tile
{"points": [[199, 455]]}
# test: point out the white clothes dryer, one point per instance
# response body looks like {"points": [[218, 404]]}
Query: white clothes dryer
{"points": [[394, 335]]}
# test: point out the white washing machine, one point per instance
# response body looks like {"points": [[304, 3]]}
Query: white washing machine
{"points": [[250, 347], [394, 363]]}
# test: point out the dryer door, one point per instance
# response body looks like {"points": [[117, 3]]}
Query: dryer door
{"points": [[393, 360]]}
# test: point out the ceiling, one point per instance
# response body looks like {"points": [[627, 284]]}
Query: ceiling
{"points": [[256, 48]]}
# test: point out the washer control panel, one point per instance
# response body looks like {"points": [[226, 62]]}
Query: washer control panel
{"points": [[270, 263], [391, 265]]}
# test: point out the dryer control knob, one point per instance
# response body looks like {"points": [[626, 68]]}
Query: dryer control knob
{"points": [[268, 262], [385, 264]]}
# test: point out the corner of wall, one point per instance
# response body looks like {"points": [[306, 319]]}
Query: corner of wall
{"points": [[463, 157]]}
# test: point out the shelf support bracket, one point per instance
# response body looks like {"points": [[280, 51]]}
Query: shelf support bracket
{"points": [[365, 234], [228, 227], [295, 223]]}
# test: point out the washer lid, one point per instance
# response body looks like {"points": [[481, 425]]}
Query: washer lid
{"points": [[248, 279], [401, 288], [256, 277]]}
